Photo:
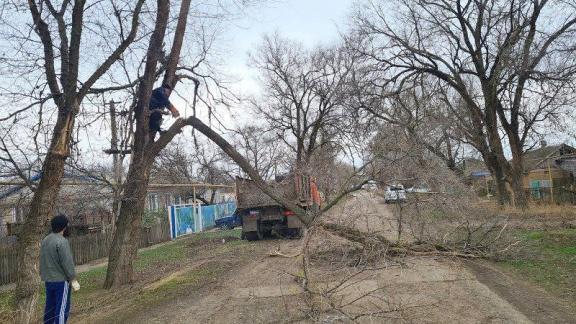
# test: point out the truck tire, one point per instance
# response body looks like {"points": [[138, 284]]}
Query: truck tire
{"points": [[293, 233], [267, 233], [251, 236], [260, 232]]}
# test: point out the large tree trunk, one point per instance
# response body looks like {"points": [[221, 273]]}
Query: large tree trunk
{"points": [[499, 178], [35, 224], [125, 243], [124, 247], [497, 161], [502, 193], [516, 172], [517, 183]]}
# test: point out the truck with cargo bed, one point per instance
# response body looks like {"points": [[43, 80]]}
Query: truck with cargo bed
{"points": [[261, 216]]}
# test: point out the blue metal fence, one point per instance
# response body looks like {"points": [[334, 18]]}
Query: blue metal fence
{"points": [[187, 219]]}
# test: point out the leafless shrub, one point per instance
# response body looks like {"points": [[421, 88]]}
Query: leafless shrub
{"points": [[441, 210]]}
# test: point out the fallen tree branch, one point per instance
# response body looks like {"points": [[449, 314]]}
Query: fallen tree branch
{"points": [[309, 218], [277, 253], [392, 249], [355, 235]]}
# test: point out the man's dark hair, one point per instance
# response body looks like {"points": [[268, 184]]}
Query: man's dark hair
{"points": [[167, 86], [59, 223]]}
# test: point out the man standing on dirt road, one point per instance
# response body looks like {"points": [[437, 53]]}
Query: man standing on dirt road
{"points": [[57, 271]]}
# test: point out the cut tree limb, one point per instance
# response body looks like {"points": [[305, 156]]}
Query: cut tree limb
{"points": [[309, 218]]}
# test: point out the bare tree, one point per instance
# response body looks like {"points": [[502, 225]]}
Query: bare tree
{"points": [[125, 243], [144, 150], [176, 164], [59, 30], [511, 64], [418, 109], [303, 93], [211, 165], [262, 149]]}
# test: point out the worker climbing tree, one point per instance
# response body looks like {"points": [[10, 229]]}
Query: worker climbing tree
{"points": [[159, 102], [148, 112]]}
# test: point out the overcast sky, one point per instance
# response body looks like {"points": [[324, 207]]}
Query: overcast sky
{"points": [[311, 22], [308, 21]]}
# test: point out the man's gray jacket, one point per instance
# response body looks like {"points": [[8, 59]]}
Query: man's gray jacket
{"points": [[56, 261]]}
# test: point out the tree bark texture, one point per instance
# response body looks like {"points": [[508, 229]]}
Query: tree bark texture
{"points": [[126, 240], [124, 247], [67, 97], [36, 221]]}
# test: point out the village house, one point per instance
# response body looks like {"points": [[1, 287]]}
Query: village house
{"points": [[478, 176], [88, 202], [160, 196], [549, 172]]}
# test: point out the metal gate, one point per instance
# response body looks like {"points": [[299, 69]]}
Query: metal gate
{"points": [[192, 218]]}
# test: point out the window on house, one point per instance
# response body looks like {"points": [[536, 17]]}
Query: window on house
{"points": [[153, 202], [14, 215], [535, 184]]}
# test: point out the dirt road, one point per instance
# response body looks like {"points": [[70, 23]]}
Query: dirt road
{"points": [[257, 288]]}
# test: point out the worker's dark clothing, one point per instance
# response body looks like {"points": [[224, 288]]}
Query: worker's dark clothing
{"points": [[155, 121], [158, 102]]}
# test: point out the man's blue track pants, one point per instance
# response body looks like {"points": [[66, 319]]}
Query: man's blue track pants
{"points": [[57, 302]]}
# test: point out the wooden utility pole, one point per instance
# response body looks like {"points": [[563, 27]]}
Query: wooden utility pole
{"points": [[117, 163], [551, 182], [114, 142]]}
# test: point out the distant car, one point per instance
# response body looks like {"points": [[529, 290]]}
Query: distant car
{"points": [[370, 186], [228, 222], [418, 189], [394, 193]]}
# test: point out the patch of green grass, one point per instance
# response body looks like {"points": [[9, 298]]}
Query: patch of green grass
{"points": [[6, 301], [178, 284], [568, 250], [545, 273], [237, 232], [169, 252], [534, 235], [176, 251], [548, 260]]}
